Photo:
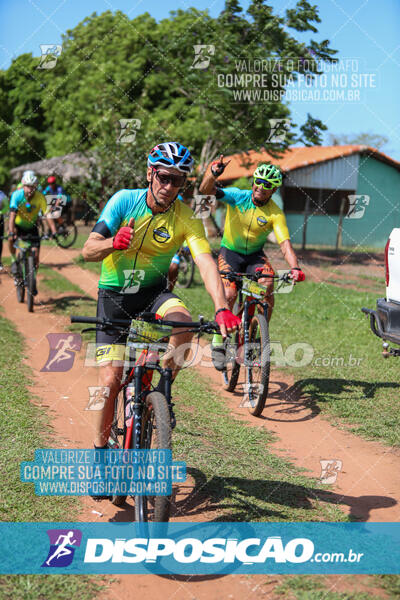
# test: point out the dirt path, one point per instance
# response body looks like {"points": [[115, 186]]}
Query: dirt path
{"points": [[368, 486]]}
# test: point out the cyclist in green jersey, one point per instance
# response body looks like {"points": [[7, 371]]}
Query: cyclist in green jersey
{"points": [[251, 216], [136, 236]]}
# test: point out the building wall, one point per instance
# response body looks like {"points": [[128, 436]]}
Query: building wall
{"points": [[381, 183]]}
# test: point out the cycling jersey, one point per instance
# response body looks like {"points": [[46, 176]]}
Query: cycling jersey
{"points": [[3, 204], [27, 210], [156, 239], [59, 191], [247, 225]]}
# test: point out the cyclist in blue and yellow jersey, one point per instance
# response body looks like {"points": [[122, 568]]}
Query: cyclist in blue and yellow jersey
{"points": [[27, 205], [136, 236], [63, 200], [4, 206], [251, 216]]}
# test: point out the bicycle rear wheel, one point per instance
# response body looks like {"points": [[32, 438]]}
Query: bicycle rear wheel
{"points": [[118, 432], [30, 282], [258, 365], [186, 271], [19, 281], [156, 435], [66, 235]]}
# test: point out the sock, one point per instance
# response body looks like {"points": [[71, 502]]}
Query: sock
{"points": [[217, 340], [100, 447]]}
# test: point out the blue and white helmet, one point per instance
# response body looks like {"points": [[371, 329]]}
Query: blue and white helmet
{"points": [[171, 154]]}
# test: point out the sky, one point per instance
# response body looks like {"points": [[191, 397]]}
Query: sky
{"points": [[363, 96]]}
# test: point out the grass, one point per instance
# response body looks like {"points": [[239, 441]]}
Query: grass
{"points": [[317, 587], [328, 319], [26, 427], [347, 375], [234, 471]]}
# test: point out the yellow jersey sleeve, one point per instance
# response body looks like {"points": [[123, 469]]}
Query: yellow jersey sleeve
{"points": [[195, 235], [279, 225]]}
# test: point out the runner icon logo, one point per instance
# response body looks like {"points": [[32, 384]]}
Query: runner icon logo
{"points": [[329, 470], [63, 543], [62, 351]]}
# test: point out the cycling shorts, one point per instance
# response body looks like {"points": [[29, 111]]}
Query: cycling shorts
{"points": [[110, 345], [27, 234], [228, 260]]}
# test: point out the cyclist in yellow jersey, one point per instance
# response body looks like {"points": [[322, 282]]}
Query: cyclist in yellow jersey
{"points": [[27, 205], [136, 236], [251, 216]]}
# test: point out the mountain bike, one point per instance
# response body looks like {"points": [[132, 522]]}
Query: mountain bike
{"points": [[66, 233], [251, 347], [186, 268], [142, 416], [25, 270]]}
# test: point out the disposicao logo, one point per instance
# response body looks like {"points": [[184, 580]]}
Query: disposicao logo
{"points": [[63, 543], [190, 550]]}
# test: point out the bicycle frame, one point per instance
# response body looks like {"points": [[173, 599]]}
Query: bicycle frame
{"points": [[246, 311], [142, 374]]}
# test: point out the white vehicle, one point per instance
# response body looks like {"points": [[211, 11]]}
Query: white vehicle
{"points": [[385, 320]]}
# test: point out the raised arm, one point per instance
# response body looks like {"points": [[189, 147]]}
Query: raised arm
{"points": [[207, 186]]}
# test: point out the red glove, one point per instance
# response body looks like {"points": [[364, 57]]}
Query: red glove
{"points": [[297, 274], [124, 236], [225, 317]]}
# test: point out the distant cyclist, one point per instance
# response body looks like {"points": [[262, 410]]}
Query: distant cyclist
{"points": [[4, 206], [63, 201], [251, 215], [136, 236], [26, 207]]}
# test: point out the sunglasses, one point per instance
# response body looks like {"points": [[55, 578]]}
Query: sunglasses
{"points": [[176, 180], [266, 185]]}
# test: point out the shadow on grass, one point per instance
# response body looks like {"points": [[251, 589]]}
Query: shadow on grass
{"points": [[288, 403], [65, 303], [320, 388], [222, 494]]}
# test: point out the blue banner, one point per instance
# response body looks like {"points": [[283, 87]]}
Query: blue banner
{"points": [[200, 548]]}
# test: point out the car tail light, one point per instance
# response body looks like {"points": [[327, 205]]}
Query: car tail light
{"points": [[387, 262]]}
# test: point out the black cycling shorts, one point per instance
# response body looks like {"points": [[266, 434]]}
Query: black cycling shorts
{"points": [[114, 305], [27, 234], [228, 260]]}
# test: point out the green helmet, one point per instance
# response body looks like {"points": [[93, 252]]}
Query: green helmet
{"points": [[270, 173]]}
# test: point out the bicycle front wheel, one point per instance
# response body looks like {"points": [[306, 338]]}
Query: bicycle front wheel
{"points": [[30, 282], [118, 433], [156, 435], [186, 271], [66, 235], [230, 374], [257, 365], [19, 282]]}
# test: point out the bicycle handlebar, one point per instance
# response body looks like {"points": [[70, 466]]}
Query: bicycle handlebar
{"points": [[233, 275], [206, 326]]}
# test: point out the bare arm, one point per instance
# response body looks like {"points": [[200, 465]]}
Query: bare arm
{"points": [[212, 280], [97, 247], [11, 222], [289, 254], [207, 186]]}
